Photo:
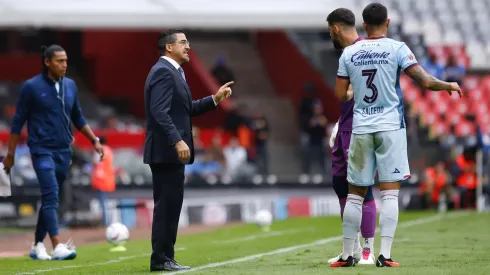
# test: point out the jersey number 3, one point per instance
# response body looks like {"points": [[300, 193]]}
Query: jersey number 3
{"points": [[370, 85]]}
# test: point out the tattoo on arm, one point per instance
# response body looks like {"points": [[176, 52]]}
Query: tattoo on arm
{"points": [[426, 80]]}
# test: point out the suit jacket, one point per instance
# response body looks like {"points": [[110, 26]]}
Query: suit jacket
{"points": [[169, 110]]}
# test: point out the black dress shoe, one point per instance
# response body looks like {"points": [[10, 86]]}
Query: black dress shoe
{"points": [[168, 266]]}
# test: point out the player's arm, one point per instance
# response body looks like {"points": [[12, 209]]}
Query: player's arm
{"points": [[407, 61], [343, 81], [342, 88], [430, 82]]}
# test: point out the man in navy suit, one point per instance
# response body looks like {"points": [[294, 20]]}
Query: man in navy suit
{"points": [[168, 145]]}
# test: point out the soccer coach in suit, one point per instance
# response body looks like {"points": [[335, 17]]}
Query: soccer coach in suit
{"points": [[169, 145]]}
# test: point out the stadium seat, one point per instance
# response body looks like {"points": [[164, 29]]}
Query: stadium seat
{"points": [[453, 118], [411, 94], [429, 117], [483, 119], [475, 95], [471, 82], [485, 83], [481, 108], [464, 128], [485, 128], [440, 107], [439, 128], [461, 107], [420, 106]]}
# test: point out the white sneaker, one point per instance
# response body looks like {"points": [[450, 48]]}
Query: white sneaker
{"points": [[38, 252], [64, 251], [357, 257], [367, 257]]}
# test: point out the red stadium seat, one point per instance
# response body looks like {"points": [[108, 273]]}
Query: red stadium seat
{"points": [[475, 95], [485, 83], [420, 106], [461, 106], [453, 118], [411, 94], [444, 51], [404, 81], [456, 50], [485, 128], [437, 50], [440, 128], [464, 129], [429, 117], [481, 108], [463, 60], [454, 98], [441, 107], [471, 82], [433, 96], [483, 118]]}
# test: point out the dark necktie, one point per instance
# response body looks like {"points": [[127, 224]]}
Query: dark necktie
{"points": [[181, 71]]}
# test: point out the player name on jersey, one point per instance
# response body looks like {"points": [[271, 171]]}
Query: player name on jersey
{"points": [[372, 111]]}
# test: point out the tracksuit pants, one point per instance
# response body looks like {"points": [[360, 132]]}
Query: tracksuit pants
{"points": [[51, 170]]}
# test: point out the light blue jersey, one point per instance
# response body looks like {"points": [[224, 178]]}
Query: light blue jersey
{"points": [[373, 67]]}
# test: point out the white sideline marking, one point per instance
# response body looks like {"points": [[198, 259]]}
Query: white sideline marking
{"points": [[120, 259], [266, 235], [316, 243]]}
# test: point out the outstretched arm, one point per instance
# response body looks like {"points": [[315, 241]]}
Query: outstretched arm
{"points": [[209, 103], [408, 62], [428, 81]]}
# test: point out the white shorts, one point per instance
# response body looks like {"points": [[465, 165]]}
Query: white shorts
{"points": [[385, 151]]}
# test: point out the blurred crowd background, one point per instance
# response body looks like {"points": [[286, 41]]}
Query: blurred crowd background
{"points": [[274, 131]]}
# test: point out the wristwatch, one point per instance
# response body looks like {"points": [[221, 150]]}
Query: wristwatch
{"points": [[96, 139]]}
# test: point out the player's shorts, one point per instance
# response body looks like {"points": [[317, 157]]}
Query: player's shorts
{"points": [[385, 151], [339, 153]]}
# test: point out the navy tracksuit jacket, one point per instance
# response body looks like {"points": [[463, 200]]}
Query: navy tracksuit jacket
{"points": [[49, 114]]}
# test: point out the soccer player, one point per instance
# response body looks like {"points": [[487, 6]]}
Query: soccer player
{"points": [[342, 28], [378, 139], [49, 104]]}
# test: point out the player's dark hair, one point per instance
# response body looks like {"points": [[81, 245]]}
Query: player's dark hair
{"points": [[375, 14], [48, 52], [167, 37], [342, 16]]}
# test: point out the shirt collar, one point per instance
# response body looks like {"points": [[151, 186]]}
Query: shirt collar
{"points": [[50, 81], [173, 62], [357, 40]]}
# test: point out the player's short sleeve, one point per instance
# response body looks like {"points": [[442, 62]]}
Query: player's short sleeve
{"points": [[406, 59], [342, 71]]}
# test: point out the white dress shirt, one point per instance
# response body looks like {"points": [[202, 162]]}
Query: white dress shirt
{"points": [[57, 86]]}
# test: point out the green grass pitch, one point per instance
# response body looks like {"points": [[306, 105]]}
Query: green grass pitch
{"points": [[425, 243]]}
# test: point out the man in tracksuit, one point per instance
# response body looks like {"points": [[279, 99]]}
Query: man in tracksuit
{"points": [[49, 104]]}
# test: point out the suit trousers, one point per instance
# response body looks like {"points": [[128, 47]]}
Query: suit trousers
{"points": [[168, 195]]}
